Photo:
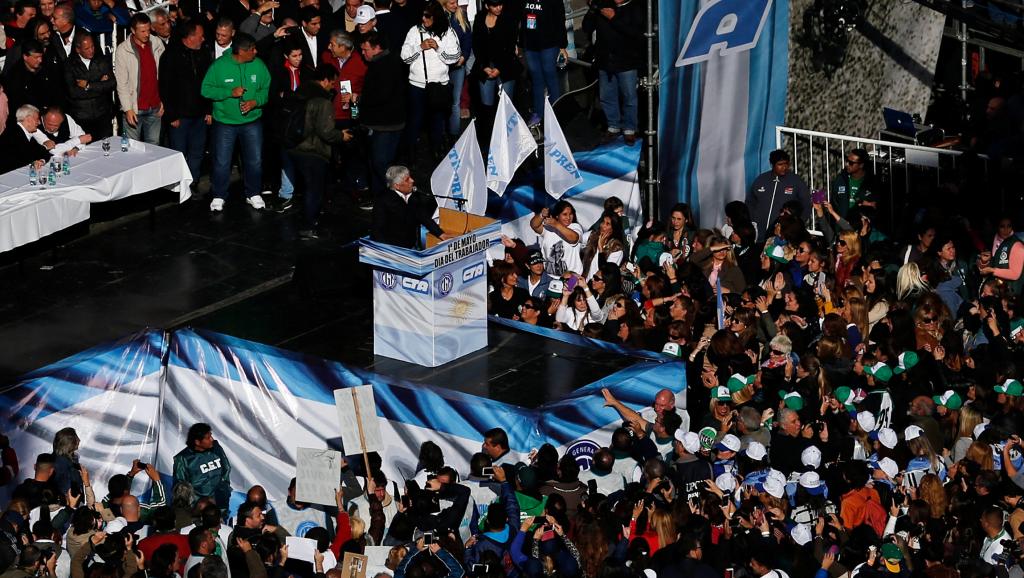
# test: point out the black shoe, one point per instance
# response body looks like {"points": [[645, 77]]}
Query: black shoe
{"points": [[308, 235], [366, 204], [609, 136], [285, 205]]}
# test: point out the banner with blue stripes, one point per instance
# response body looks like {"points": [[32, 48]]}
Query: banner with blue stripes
{"points": [[724, 73]]}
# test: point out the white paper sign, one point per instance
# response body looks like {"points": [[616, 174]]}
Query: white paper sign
{"points": [[301, 548], [317, 476], [344, 86], [347, 415]]}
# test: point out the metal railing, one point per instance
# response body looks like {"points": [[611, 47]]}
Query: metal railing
{"points": [[903, 168]]}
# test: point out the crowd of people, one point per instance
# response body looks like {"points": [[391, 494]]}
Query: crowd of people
{"points": [[853, 397], [230, 80]]}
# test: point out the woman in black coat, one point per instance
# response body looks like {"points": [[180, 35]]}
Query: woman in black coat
{"points": [[494, 43]]}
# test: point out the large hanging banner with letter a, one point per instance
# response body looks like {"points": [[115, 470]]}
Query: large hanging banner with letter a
{"points": [[724, 69]]}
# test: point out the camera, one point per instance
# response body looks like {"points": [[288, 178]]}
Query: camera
{"points": [[428, 538]]}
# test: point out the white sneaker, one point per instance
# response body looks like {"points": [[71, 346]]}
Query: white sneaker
{"points": [[217, 205], [256, 202]]}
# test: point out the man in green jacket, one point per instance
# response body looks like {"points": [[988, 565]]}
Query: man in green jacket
{"points": [[204, 465], [238, 84]]}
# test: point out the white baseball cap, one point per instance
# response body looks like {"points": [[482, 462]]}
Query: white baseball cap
{"points": [[811, 457], [888, 466], [726, 483], [912, 432], [811, 481], [980, 429], [364, 14], [866, 421], [773, 487], [887, 436], [728, 442], [756, 451], [801, 534], [777, 476], [690, 441]]}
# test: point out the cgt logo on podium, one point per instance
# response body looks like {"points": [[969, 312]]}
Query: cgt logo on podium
{"points": [[726, 26]]}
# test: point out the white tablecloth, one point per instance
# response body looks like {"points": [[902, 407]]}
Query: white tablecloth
{"points": [[28, 213]]}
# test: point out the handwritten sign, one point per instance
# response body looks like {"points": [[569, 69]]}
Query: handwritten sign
{"points": [[317, 476], [350, 426]]}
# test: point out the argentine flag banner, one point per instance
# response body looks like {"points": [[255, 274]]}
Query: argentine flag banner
{"points": [[560, 170], [725, 67], [460, 175], [511, 143]]}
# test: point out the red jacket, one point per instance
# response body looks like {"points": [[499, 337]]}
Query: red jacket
{"points": [[354, 71]]}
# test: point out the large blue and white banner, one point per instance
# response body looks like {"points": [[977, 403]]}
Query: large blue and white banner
{"points": [[137, 399], [725, 66]]}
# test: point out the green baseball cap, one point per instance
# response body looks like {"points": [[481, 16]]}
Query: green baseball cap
{"points": [[707, 437], [1011, 387], [846, 397], [792, 400], [776, 253], [906, 361], [739, 381], [879, 371], [950, 400]]}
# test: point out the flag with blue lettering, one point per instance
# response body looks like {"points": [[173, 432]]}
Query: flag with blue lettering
{"points": [[461, 174], [722, 92], [511, 143], [560, 170]]}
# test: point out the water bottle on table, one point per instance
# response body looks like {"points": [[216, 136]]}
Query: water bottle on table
{"points": [[124, 142], [33, 176], [66, 165], [51, 177]]}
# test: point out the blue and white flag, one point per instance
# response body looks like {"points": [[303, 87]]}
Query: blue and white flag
{"points": [[560, 170], [460, 174], [511, 143]]}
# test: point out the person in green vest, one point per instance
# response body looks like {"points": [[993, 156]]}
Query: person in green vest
{"points": [[1007, 263]]}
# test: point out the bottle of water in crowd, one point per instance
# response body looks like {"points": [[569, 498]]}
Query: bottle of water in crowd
{"points": [[355, 109], [33, 176], [51, 176], [66, 165], [124, 142]]}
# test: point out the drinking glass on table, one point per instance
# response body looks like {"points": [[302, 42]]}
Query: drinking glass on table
{"points": [[106, 147]]}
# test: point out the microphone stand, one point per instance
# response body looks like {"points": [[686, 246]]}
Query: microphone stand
{"points": [[459, 201]]}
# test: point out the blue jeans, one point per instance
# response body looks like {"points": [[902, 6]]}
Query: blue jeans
{"points": [[312, 171], [147, 126], [456, 77], [224, 136], [417, 114], [543, 65], [287, 176], [190, 139], [383, 149], [489, 91], [619, 99]]}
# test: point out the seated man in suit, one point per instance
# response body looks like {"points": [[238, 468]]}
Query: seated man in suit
{"points": [[19, 143], [399, 212]]}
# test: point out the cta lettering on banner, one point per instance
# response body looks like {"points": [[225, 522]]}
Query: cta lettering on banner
{"points": [[368, 421], [728, 26], [317, 476]]}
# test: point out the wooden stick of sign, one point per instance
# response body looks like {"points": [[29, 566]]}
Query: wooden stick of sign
{"points": [[362, 437]]}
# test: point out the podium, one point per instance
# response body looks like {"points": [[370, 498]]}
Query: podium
{"points": [[430, 306]]}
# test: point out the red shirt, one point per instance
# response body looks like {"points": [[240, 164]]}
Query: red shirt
{"points": [[149, 545], [354, 70], [149, 91]]}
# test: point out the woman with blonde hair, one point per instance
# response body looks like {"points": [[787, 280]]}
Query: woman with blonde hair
{"points": [[855, 312], [931, 491], [981, 454], [847, 256], [721, 267], [463, 29], [909, 283], [67, 473], [969, 419]]}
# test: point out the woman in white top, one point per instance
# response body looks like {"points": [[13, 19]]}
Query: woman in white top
{"points": [[605, 245], [429, 49], [578, 308], [560, 239]]}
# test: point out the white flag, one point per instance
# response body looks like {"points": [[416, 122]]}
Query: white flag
{"points": [[461, 175], [511, 143], [560, 172]]}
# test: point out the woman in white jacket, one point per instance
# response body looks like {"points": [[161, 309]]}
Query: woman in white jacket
{"points": [[578, 308], [429, 49]]}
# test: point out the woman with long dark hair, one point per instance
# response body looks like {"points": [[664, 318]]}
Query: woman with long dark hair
{"points": [[430, 48], [606, 245]]}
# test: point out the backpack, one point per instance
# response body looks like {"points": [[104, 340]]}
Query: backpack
{"points": [[293, 119]]}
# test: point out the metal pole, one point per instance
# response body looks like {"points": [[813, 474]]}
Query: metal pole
{"points": [[963, 58], [649, 85]]}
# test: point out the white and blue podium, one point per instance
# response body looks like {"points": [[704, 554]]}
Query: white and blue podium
{"points": [[430, 306]]}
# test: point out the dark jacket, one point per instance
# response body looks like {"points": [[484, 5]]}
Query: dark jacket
{"points": [[23, 87], [19, 151], [319, 132], [620, 41], [94, 102], [542, 25], [496, 47], [768, 193], [396, 222], [839, 193], [382, 103], [181, 78]]}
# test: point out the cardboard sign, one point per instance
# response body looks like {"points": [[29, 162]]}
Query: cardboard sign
{"points": [[368, 420], [317, 476], [354, 565]]}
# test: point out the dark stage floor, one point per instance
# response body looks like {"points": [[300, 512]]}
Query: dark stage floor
{"points": [[243, 273]]}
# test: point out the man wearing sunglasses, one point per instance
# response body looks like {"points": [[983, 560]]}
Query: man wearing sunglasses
{"points": [[854, 185]]}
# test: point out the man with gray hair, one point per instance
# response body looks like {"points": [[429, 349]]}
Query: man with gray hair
{"points": [[399, 211], [19, 143]]}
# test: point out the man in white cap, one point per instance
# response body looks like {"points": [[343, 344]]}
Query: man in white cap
{"points": [[366, 20], [689, 470], [725, 455]]}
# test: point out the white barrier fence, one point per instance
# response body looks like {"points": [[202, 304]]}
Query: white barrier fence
{"points": [[819, 156]]}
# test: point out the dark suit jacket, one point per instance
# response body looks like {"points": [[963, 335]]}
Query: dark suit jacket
{"points": [[397, 223], [19, 150]]}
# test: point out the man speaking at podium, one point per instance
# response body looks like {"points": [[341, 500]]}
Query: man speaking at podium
{"points": [[399, 212]]}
